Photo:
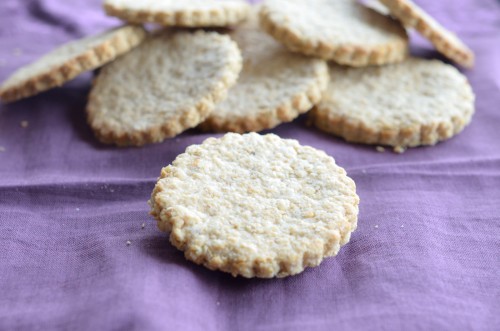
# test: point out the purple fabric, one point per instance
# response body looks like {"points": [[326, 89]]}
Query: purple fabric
{"points": [[426, 255]]}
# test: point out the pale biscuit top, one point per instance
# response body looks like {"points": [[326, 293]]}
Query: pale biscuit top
{"points": [[274, 86], [415, 102], [445, 41], [168, 84], [341, 30], [67, 61], [255, 206], [187, 13]]}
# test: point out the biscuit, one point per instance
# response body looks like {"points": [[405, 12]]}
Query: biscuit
{"points": [[255, 206], [166, 85], [274, 86], [412, 103], [184, 13], [445, 41], [69, 60], [341, 30]]}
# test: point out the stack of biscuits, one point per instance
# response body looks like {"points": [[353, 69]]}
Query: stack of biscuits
{"points": [[252, 205]]}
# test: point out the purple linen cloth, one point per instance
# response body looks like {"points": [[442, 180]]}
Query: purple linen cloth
{"points": [[426, 255]]}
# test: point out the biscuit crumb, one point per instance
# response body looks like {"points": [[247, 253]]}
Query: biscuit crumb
{"points": [[376, 226], [380, 149], [143, 225], [399, 149], [129, 243], [2, 149], [24, 124], [402, 226]]}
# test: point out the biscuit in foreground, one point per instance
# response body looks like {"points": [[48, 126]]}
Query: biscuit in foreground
{"points": [[168, 84], [181, 13], [340, 30], [445, 41], [412, 103], [274, 86], [69, 60], [255, 206]]}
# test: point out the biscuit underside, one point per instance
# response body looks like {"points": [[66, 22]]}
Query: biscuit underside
{"points": [[444, 41], [189, 112], [241, 244], [120, 42], [355, 55], [182, 18], [429, 131]]}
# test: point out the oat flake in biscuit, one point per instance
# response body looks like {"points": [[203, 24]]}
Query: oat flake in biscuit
{"points": [[168, 84], [182, 13], [274, 86], [69, 60], [255, 206], [445, 41], [415, 102], [340, 30]]}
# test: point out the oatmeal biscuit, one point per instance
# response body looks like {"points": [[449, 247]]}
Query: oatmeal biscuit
{"points": [[341, 30], [274, 86], [167, 85], [69, 60], [445, 41], [416, 102], [255, 206]]}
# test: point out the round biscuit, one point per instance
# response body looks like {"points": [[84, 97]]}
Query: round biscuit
{"points": [[167, 85], [445, 41], [412, 103], [274, 86], [255, 206], [342, 30], [69, 60], [184, 13]]}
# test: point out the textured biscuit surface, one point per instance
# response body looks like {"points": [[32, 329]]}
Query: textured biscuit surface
{"points": [[341, 30], [69, 60], [185, 13], [415, 102], [445, 42], [166, 85], [274, 86], [255, 206]]}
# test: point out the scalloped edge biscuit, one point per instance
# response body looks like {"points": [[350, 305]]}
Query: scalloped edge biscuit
{"points": [[446, 42], [190, 114], [345, 54], [274, 244], [281, 105], [224, 16], [120, 41], [328, 118]]}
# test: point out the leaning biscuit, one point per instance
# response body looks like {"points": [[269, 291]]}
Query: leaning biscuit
{"points": [[70, 60], [341, 30], [445, 42], [166, 85], [255, 206], [274, 86], [183, 13], [415, 102]]}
